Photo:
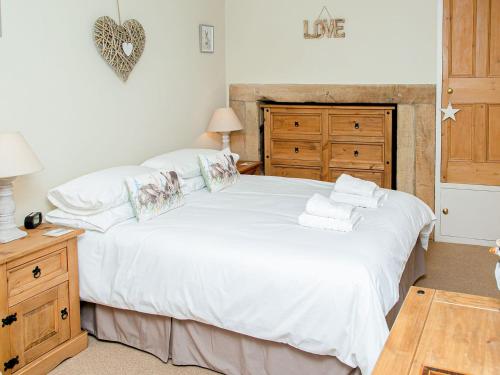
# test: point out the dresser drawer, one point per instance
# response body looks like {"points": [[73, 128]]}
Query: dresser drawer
{"points": [[296, 123], [296, 172], [37, 272], [296, 150], [357, 125], [357, 155], [377, 177]]}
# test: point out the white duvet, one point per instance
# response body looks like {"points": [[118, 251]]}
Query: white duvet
{"points": [[239, 260]]}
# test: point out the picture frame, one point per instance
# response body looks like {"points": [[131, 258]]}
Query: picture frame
{"points": [[207, 39]]}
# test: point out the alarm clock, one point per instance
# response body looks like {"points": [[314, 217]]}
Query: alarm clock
{"points": [[33, 220]]}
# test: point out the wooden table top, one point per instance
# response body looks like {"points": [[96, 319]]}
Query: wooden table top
{"points": [[35, 240], [438, 333]]}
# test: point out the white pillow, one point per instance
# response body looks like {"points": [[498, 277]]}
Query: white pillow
{"points": [[183, 161], [100, 222], [191, 185], [95, 192]]}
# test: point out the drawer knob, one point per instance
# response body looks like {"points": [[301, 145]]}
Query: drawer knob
{"points": [[297, 124], [356, 125], [297, 150], [8, 320], [64, 313], [11, 363], [37, 272], [356, 153], [446, 211]]}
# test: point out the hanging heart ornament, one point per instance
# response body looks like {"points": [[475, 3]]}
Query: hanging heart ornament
{"points": [[120, 45]]}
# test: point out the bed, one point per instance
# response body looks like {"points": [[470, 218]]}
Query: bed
{"points": [[231, 282]]}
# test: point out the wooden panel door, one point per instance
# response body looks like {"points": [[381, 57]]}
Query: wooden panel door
{"points": [[42, 324], [471, 82]]}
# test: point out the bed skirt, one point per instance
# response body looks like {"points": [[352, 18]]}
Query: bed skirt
{"points": [[193, 343]]}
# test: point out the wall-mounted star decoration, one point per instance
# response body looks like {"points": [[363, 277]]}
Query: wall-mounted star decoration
{"points": [[449, 112]]}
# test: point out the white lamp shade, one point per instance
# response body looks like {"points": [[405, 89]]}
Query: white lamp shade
{"points": [[16, 156], [224, 120]]}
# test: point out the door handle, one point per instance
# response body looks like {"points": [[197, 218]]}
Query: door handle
{"points": [[64, 313], [297, 150], [356, 153]]}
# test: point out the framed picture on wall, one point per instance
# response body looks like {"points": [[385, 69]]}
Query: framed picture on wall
{"points": [[207, 33]]}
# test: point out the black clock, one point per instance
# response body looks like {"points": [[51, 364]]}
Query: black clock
{"points": [[33, 220]]}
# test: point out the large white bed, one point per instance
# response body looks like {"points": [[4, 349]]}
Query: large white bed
{"points": [[238, 260]]}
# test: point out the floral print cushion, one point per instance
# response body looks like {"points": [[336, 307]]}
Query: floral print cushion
{"points": [[219, 170], [154, 193]]}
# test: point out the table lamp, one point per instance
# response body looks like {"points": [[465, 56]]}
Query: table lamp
{"points": [[16, 159], [224, 121]]}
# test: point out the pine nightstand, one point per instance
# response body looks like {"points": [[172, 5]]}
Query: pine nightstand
{"points": [[249, 167], [39, 302]]}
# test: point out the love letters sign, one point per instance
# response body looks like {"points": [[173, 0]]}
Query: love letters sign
{"points": [[333, 28], [324, 27]]}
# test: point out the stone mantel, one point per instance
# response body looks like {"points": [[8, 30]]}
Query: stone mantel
{"points": [[415, 111]]}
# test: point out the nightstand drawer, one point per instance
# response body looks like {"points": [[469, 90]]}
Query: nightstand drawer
{"points": [[37, 272]]}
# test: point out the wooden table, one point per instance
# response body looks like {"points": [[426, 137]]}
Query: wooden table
{"points": [[438, 333], [249, 167]]}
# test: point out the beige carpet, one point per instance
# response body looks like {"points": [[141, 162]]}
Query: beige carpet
{"points": [[460, 268]]}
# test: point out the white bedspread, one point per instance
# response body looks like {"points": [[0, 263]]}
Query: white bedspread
{"points": [[239, 260]]}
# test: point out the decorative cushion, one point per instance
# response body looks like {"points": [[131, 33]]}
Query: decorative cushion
{"points": [[155, 193], [183, 161], [219, 170]]}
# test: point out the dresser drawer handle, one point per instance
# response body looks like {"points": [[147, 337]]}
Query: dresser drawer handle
{"points": [[64, 313], [37, 272], [356, 125], [356, 153], [297, 124], [11, 363], [297, 150]]}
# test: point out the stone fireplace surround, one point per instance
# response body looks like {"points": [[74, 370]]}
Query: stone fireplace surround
{"points": [[416, 143]]}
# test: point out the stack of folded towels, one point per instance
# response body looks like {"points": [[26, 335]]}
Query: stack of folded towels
{"points": [[323, 213], [357, 192], [339, 211]]}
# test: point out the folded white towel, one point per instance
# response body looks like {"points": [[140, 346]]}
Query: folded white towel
{"points": [[319, 205], [319, 222], [359, 201], [352, 185]]}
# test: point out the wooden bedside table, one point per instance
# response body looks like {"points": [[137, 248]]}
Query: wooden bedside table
{"points": [[249, 167], [39, 302]]}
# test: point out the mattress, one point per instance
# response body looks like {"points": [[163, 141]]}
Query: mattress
{"points": [[238, 260]]}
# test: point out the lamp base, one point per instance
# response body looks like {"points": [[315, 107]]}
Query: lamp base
{"points": [[9, 235], [8, 230], [226, 141]]}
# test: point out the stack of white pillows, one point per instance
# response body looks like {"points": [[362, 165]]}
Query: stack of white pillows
{"points": [[100, 200], [339, 211]]}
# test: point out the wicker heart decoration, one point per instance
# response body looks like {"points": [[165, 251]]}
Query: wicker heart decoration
{"points": [[121, 46]]}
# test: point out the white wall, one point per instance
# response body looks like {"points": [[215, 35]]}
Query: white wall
{"points": [[388, 41], [77, 114]]}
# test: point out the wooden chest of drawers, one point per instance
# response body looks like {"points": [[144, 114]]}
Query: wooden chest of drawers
{"points": [[322, 142], [39, 303]]}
